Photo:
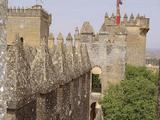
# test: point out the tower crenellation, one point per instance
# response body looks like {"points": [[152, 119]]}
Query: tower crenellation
{"points": [[31, 23], [35, 11], [110, 20], [139, 21]]}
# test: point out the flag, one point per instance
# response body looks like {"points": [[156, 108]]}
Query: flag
{"points": [[118, 18]]}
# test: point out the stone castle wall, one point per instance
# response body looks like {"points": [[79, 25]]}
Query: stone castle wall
{"points": [[114, 46], [42, 84], [3, 93], [106, 51], [59, 75]]}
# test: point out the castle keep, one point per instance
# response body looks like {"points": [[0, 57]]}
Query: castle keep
{"points": [[31, 23], [53, 81]]}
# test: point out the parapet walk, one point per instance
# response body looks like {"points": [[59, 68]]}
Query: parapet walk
{"points": [[42, 69]]}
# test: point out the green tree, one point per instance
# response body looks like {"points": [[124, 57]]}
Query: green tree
{"points": [[135, 98]]}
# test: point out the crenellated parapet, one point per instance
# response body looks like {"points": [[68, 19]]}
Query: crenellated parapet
{"points": [[34, 11], [138, 21], [42, 69], [38, 76], [31, 23]]}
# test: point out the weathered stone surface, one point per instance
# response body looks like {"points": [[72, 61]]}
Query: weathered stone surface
{"points": [[3, 20], [52, 81], [43, 82], [114, 46], [87, 28], [136, 36], [107, 50]]}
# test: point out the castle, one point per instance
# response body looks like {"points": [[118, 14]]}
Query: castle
{"points": [[45, 83], [114, 46], [53, 81]]}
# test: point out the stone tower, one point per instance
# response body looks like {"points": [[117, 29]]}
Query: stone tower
{"points": [[114, 46], [137, 29], [32, 24], [107, 50]]}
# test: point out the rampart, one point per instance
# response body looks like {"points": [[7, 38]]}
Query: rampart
{"points": [[48, 83]]}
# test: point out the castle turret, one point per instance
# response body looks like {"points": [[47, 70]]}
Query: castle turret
{"points": [[31, 23], [87, 33]]}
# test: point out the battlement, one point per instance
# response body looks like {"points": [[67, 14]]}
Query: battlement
{"points": [[87, 28], [138, 21], [69, 61], [34, 11], [45, 74]]}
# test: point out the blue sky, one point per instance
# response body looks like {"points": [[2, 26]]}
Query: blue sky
{"points": [[67, 14]]}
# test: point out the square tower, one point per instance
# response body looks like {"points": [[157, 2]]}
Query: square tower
{"points": [[31, 24], [137, 29]]}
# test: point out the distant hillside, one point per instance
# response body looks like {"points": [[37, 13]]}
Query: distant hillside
{"points": [[154, 53]]}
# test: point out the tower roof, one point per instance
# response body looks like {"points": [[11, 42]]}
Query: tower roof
{"points": [[106, 15], [69, 37], [87, 28]]}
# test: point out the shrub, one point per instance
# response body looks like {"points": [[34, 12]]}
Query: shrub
{"points": [[134, 98]]}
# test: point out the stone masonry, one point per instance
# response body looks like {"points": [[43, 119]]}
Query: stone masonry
{"points": [[114, 46], [31, 23], [46, 81], [106, 50], [3, 19], [45, 84], [137, 28], [49, 81]]}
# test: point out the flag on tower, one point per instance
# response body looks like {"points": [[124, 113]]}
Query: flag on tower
{"points": [[118, 18]]}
